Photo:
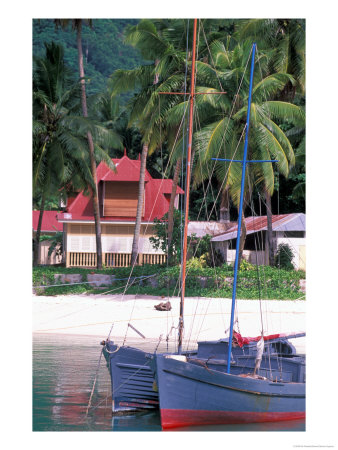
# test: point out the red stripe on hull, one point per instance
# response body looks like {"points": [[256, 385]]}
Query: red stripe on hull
{"points": [[171, 418]]}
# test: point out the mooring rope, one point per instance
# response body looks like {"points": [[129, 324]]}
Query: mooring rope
{"points": [[96, 374]]}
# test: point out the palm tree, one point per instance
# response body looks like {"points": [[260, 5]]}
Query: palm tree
{"points": [[77, 25], [284, 40], [166, 74], [222, 129], [60, 148], [51, 94]]}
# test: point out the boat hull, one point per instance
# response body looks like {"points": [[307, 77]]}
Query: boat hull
{"points": [[132, 379], [191, 395]]}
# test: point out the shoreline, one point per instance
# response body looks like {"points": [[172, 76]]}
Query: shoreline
{"points": [[205, 318]]}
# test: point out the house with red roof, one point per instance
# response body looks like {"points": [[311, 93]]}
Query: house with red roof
{"points": [[118, 196]]}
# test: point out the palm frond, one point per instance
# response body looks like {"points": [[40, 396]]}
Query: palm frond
{"points": [[289, 112], [270, 86], [282, 139], [269, 145], [145, 38]]}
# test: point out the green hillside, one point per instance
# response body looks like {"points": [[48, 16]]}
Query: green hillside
{"points": [[102, 45]]}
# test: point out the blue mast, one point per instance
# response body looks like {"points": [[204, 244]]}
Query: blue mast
{"points": [[244, 162]]}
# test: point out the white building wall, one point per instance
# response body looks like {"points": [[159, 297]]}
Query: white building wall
{"points": [[297, 245], [110, 244]]}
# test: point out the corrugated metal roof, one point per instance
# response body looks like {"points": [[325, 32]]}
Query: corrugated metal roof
{"points": [[201, 228], [254, 224]]}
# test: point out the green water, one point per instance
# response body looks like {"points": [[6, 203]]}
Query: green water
{"points": [[64, 370]]}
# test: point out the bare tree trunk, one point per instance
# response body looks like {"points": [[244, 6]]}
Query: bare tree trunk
{"points": [[242, 241], [140, 201], [91, 148], [171, 208], [38, 232], [224, 212], [271, 253]]}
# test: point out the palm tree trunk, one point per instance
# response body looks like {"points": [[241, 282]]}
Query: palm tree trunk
{"points": [[38, 232], [134, 251], [224, 212], [242, 241], [271, 252], [171, 209], [91, 147]]}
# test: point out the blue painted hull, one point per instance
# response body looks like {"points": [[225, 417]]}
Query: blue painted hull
{"points": [[133, 373], [132, 379], [193, 395]]}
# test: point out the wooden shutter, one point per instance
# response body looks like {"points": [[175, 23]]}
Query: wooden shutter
{"points": [[120, 199]]}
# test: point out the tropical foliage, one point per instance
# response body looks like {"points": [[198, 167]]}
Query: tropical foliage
{"points": [[104, 49], [284, 257], [159, 60], [201, 281], [60, 149]]}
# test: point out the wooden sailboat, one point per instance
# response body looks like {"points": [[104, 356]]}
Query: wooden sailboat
{"points": [[211, 388], [183, 379]]}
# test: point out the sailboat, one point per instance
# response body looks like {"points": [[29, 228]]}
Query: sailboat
{"points": [[132, 369], [213, 386], [178, 384]]}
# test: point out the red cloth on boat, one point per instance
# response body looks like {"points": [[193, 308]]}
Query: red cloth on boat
{"points": [[240, 340]]}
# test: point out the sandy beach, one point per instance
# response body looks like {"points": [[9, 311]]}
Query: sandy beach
{"points": [[205, 318]]}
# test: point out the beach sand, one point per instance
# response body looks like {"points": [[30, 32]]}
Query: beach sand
{"points": [[204, 318]]}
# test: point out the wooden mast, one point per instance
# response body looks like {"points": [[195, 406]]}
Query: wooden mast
{"points": [[187, 190]]}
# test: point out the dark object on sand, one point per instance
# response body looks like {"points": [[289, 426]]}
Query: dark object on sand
{"points": [[163, 306]]}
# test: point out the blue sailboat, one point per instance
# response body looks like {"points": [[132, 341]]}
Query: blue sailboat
{"points": [[132, 370], [217, 387]]}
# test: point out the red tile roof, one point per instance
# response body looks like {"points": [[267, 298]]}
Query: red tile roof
{"points": [[126, 170], [49, 221], [156, 193]]}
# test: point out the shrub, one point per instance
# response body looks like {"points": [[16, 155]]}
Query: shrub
{"points": [[196, 263], [245, 266], [284, 257]]}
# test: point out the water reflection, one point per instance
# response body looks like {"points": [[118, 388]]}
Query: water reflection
{"points": [[64, 369], [143, 421]]}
